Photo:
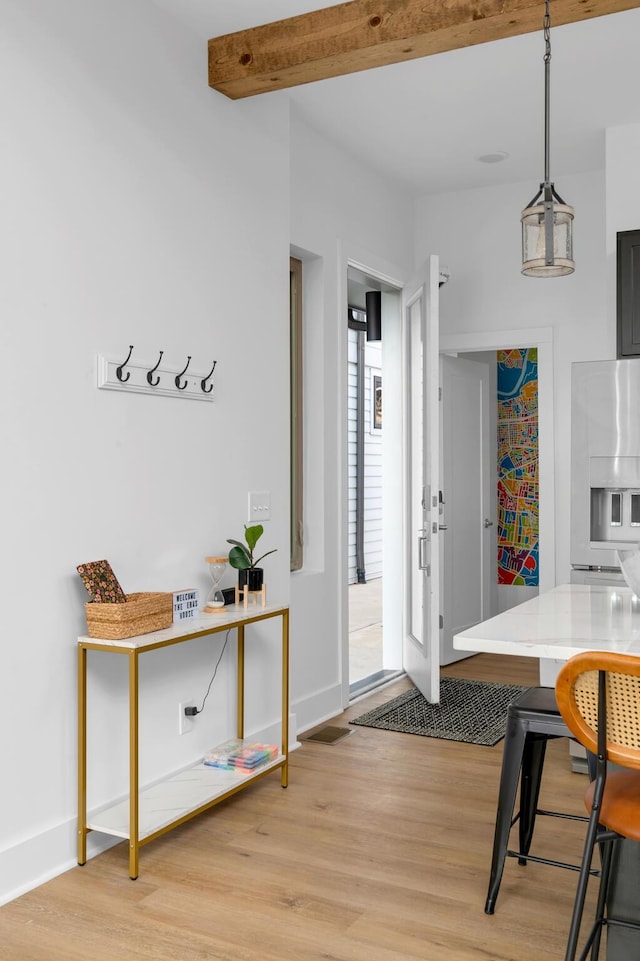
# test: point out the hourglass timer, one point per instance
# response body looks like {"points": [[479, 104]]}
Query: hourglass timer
{"points": [[215, 597]]}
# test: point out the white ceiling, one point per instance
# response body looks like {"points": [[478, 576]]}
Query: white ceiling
{"points": [[425, 122]]}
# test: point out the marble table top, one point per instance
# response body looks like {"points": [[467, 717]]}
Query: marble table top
{"points": [[230, 616], [560, 623]]}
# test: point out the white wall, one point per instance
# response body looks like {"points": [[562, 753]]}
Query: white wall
{"points": [[477, 235], [623, 193], [139, 207], [339, 212]]}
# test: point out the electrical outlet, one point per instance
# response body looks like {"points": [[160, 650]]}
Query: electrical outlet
{"points": [[185, 724]]}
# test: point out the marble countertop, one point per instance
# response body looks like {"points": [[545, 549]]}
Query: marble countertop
{"points": [[560, 623]]}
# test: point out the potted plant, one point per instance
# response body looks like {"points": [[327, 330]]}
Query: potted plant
{"points": [[241, 556]]}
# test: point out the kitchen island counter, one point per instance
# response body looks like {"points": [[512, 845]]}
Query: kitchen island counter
{"points": [[558, 624]]}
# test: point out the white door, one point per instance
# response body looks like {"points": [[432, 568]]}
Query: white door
{"points": [[467, 510], [421, 647]]}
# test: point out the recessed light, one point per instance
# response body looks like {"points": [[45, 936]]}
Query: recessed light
{"points": [[493, 158]]}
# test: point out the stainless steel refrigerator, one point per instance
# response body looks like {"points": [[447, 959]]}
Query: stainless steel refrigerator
{"points": [[605, 468]]}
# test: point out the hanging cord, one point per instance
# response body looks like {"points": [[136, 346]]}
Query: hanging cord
{"points": [[547, 190], [215, 671], [546, 25]]}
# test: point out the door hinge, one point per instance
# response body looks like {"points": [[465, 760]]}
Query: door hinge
{"points": [[441, 622], [439, 393]]}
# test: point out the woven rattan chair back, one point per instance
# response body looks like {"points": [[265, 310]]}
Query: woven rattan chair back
{"points": [[577, 695]]}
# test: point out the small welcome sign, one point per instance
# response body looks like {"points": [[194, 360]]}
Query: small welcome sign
{"points": [[185, 604]]}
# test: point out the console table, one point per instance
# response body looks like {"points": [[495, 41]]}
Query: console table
{"points": [[147, 814]]}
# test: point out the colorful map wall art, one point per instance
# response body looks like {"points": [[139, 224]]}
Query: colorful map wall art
{"points": [[518, 490]]}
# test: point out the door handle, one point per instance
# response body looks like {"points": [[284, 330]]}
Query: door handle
{"points": [[443, 527], [487, 522], [422, 560]]}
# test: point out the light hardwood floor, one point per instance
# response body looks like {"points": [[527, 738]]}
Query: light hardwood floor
{"points": [[379, 850]]}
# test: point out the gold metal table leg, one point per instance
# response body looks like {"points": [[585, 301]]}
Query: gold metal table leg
{"points": [[240, 697], [134, 827], [82, 754], [284, 777]]}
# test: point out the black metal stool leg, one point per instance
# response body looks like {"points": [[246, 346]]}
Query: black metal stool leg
{"points": [[535, 746], [511, 763], [606, 853], [583, 880], [532, 719]]}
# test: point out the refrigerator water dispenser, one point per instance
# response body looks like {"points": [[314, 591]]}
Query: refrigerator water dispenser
{"points": [[615, 502]]}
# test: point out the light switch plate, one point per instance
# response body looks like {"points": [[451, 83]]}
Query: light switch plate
{"points": [[259, 506]]}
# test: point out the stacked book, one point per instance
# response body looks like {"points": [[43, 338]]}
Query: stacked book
{"points": [[241, 756]]}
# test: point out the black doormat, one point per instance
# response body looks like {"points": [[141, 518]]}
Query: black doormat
{"points": [[471, 711]]}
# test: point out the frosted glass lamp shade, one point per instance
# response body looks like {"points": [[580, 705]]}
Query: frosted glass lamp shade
{"points": [[535, 262]]}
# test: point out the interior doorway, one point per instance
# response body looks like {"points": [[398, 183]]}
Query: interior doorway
{"points": [[468, 501], [490, 545], [480, 347]]}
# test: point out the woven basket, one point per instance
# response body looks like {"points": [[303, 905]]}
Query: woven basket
{"points": [[140, 614]]}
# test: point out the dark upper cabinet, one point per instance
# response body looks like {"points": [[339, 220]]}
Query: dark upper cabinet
{"points": [[628, 293]]}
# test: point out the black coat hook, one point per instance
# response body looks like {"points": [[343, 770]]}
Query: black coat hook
{"points": [[207, 390], [150, 380], [182, 372], [122, 366]]}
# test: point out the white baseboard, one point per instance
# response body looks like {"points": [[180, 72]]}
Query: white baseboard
{"points": [[320, 707], [38, 859], [271, 734]]}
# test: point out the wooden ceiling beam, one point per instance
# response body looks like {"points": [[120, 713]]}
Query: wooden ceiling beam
{"points": [[363, 34]]}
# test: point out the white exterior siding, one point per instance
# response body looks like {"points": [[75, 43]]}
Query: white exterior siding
{"points": [[372, 463]]}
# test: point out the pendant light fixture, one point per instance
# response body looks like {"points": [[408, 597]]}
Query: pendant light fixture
{"points": [[547, 222]]}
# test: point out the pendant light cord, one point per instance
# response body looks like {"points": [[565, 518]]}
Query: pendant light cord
{"points": [[547, 84]]}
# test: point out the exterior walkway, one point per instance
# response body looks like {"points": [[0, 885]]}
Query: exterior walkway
{"points": [[365, 629]]}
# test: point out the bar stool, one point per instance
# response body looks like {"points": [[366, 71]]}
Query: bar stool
{"points": [[598, 693], [533, 719]]}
